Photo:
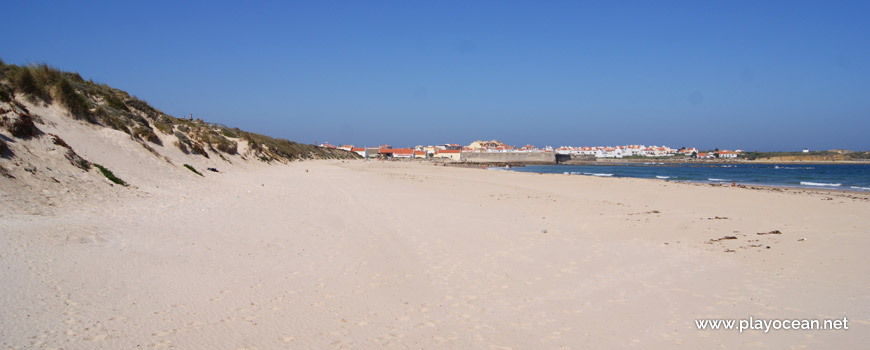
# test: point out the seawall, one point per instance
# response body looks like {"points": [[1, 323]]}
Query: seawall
{"points": [[510, 157]]}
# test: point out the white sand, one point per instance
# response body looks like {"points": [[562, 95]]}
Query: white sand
{"points": [[407, 255]]}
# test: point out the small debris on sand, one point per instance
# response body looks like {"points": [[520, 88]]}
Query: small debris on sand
{"points": [[774, 232], [721, 239]]}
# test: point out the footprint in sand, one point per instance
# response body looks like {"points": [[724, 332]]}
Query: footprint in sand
{"points": [[98, 337]]}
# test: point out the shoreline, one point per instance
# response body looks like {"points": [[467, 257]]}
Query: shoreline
{"points": [[837, 189]]}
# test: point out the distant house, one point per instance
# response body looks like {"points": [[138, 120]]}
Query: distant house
{"points": [[420, 154], [688, 151], [397, 152], [454, 154], [403, 153], [371, 152], [360, 151], [528, 148], [727, 154], [449, 146]]}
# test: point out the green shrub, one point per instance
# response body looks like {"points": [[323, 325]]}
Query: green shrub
{"points": [[266, 147], [140, 105], [163, 127], [148, 134], [164, 124], [182, 147], [5, 95], [228, 147], [73, 101], [215, 139], [77, 160], [74, 76], [109, 175], [182, 138], [3, 148], [111, 120], [135, 118], [114, 101], [46, 75], [24, 81], [228, 133], [196, 148], [188, 166]]}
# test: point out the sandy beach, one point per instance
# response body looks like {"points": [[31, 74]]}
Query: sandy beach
{"points": [[368, 254]]}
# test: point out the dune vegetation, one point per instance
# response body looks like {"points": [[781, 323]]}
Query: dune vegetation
{"points": [[103, 105]]}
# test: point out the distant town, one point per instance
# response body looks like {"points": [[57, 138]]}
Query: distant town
{"points": [[455, 151]]}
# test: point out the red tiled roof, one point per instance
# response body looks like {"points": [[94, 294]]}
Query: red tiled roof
{"points": [[399, 151]]}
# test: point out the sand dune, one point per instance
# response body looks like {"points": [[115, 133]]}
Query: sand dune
{"points": [[357, 254]]}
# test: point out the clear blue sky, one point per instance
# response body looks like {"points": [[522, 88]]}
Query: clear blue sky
{"points": [[757, 75]]}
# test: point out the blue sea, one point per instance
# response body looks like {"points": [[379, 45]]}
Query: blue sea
{"points": [[851, 177]]}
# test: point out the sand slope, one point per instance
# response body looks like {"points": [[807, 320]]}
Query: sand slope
{"points": [[357, 254]]}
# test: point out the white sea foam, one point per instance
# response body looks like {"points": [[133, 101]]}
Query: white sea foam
{"points": [[598, 174], [793, 167], [662, 177], [860, 188], [807, 183], [715, 179]]}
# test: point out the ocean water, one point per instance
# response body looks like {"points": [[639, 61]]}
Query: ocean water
{"points": [[852, 177]]}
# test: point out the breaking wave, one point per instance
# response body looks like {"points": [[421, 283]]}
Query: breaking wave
{"points": [[807, 183], [793, 167]]}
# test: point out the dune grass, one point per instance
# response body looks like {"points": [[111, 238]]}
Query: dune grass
{"points": [[76, 104], [114, 108], [191, 168], [23, 80], [147, 134], [5, 94], [109, 175]]}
